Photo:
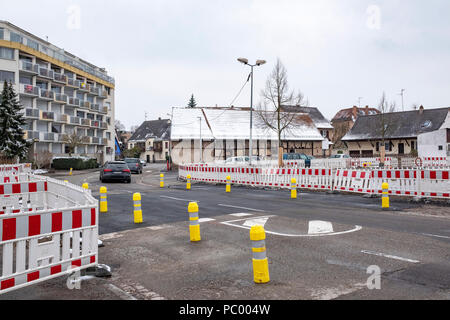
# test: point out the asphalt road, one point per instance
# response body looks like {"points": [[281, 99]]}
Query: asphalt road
{"points": [[408, 244]]}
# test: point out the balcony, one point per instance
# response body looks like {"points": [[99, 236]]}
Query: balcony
{"points": [[95, 123], [103, 94], [73, 83], [86, 139], [103, 109], [62, 137], [32, 113], [64, 118], [94, 90], [28, 90], [103, 125], [46, 115], [85, 104], [47, 136], [32, 135], [84, 87], [46, 94], [75, 102], [74, 120], [60, 98], [45, 73], [103, 141], [95, 140], [28, 67], [85, 122], [58, 77], [95, 107]]}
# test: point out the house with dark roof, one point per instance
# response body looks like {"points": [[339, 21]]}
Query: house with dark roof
{"points": [[399, 130], [344, 120], [153, 138], [320, 122]]}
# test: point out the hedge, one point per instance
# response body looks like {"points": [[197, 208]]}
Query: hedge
{"points": [[74, 163]]}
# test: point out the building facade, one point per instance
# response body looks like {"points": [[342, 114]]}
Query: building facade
{"points": [[153, 138], [68, 103], [400, 133]]}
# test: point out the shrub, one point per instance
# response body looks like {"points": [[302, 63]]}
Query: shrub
{"points": [[74, 163]]}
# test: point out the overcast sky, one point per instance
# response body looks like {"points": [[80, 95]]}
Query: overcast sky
{"points": [[160, 51]]}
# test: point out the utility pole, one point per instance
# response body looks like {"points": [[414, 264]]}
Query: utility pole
{"points": [[201, 143]]}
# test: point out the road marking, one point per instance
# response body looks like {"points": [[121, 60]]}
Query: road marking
{"points": [[435, 235], [154, 228], [240, 214], [316, 227], [205, 220], [389, 256], [121, 293], [173, 198], [108, 236], [230, 223], [256, 222], [227, 205]]}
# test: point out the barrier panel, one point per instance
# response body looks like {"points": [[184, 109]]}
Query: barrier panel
{"points": [[402, 182], [48, 229]]}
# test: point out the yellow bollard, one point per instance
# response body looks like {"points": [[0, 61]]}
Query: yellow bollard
{"points": [[103, 201], [85, 185], [293, 188], [385, 196], [70, 172], [188, 182], [260, 262], [228, 186], [161, 180], [194, 225], [137, 207]]}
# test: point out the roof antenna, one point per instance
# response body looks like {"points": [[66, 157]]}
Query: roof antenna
{"points": [[146, 116]]}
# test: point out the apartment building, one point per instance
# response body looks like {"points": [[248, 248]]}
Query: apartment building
{"points": [[62, 95]]}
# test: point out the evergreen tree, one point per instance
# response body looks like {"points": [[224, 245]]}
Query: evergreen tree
{"points": [[192, 103], [12, 142]]}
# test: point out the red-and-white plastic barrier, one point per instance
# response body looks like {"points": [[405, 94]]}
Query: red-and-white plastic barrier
{"points": [[419, 183], [48, 229]]}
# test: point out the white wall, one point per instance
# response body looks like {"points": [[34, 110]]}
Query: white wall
{"points": [[428, 144]]}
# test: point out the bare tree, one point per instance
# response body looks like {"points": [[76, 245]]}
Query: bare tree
{"points": [[275, 96], [119, 126], [43, 159], [384, 107], [72, 141]]}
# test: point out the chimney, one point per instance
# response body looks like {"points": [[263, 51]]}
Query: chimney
{"points": [[355, 111], [421, 110], [366, 110], [159, 118]]}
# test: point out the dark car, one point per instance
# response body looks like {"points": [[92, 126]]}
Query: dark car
{"points": [[134, 164], [115, 171]]}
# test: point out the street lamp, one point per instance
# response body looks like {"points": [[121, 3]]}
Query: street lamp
{"points": [[258, 63]]}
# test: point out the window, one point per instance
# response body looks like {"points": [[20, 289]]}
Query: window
{"points": [[6, 53], [6, 76], [2, 33], [440, 148], [32, 44], [413, 145], [15, 37]]}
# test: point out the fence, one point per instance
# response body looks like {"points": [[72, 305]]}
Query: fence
{"points": [[48, 228], [402, 182]]}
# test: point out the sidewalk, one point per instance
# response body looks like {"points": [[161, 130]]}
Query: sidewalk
{"points": [[65, 173]]}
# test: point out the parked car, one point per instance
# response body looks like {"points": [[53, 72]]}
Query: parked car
{"points": [[237, 160], [115, 171], [339, 156], [134, 164], [143, 162]]}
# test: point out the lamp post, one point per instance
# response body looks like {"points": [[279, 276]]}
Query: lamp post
{"points": [[258, 63]]}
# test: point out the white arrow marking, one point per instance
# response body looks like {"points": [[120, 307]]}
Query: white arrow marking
{"points": [[317, 226], [255, 222]]}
